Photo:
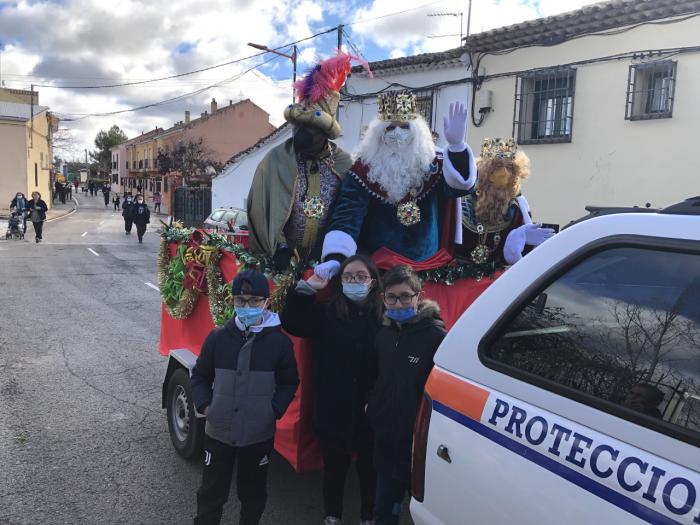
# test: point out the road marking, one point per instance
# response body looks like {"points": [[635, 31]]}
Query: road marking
{"points": [[102, 222], [84, 234], [151, 285], [93, 252]]}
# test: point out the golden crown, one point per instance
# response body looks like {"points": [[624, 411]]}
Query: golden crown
{"points": [[397, 106], [499, 149]]}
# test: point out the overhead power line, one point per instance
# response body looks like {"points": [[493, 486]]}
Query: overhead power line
{"points": [[393, 14], [82, 116], [236, 61]]}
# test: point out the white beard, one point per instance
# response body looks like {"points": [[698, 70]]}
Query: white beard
{"points": [[397, 169], [397, 172]]}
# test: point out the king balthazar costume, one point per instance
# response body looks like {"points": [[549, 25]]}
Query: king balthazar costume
{"points": [[399, 200], [496, 219], [296, 184]]}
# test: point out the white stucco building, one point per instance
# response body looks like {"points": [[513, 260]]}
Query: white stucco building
{"points": [[603, 100]]}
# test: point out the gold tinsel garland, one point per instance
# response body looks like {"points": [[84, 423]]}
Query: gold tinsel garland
{"points": [[179, 302]]}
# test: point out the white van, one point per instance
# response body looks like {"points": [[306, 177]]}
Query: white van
{"points": [[569, 392]]}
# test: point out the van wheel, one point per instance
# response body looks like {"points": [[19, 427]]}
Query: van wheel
{"points": [[186, 429]]}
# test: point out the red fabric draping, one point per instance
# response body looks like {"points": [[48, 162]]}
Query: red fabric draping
{"points": [[295, 440], [385, 259]]}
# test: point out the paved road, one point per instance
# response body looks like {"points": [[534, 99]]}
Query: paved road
{"points": [[83, 439]]}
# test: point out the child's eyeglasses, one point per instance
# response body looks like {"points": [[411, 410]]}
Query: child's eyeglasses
{"points": [[355, 278], [404, 298], [253, 302]]}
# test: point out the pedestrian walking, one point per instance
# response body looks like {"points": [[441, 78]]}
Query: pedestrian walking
{"points": [[141, 216], [105, 193], [20, 204], [116, 201], [243, 381], [139, 188], [343, 330], [37, 214], [69, 189], [56, 191], [156, 201], [405, 347], [126, 213]]}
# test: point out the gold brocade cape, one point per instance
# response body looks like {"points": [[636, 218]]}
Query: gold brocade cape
{"points": [[272, 193]]}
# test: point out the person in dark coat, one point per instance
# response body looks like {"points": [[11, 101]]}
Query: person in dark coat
{"points": [[343, 331], [141, 216], [105, 193], [116, 200], [405, 346], [20, 204], [126, 213], [244, 380], [37, 214]]}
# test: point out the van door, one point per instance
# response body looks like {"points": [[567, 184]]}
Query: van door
{"points": [[583, 408]]}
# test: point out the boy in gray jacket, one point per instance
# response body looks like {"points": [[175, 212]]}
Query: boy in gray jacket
{"points": [[244, 380]]}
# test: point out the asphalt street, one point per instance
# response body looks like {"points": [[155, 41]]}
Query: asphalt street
{"points": [[83, 438]]}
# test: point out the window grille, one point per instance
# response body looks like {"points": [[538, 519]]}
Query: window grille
{"points": [[650, 90], [544, 106], [424, 105]]}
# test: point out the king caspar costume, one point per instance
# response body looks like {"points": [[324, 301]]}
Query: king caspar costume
{"points": [[496, 218]]}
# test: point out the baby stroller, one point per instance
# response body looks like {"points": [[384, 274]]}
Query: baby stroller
{"points": [[14, 226]]}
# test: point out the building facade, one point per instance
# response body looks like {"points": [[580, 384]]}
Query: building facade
{"points": [[224, 131], [603, 100], [26, 154]]}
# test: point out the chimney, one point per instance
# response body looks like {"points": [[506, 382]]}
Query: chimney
{"points": [[214, 105], [187, 117]]}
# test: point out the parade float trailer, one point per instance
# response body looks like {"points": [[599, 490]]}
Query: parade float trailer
{"points": [[195, 269]]}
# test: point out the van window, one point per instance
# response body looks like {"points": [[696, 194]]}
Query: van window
{"points": [[621, 326], [217, 215]]}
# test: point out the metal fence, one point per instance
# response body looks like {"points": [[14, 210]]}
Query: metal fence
{"points": [[192, 205]]}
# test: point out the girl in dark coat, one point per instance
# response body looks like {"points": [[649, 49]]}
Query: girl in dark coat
{"points": [[126, 213], [343, 330], [405, 346], [141, 216], [37, 214]]}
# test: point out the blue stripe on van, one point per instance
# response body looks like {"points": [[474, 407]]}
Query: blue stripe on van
{"points": [[569, 474]]}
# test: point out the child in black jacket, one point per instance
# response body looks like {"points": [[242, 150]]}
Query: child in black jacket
{"points": [[343, 330], [244, 380], [405, 347]]}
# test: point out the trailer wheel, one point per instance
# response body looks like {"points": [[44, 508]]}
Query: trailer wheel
{"points": [[186, 429]]}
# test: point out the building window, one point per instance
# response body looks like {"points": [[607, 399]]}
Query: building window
{"points": [[650, 90], [424, 105], [36, 175], [544, 106], [615, 333], [165, 184]]}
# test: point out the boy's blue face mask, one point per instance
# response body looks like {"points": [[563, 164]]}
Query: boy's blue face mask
{"points": [[248, 315], [402, 315]]}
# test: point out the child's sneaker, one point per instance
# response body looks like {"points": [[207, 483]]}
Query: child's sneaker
{"points": [[330, 520]]}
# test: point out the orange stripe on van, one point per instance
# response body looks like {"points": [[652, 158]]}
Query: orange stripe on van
{"points": [[459, 395]]}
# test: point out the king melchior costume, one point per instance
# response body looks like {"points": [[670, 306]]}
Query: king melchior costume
{"points": [[496, 219], [421, 228], [292, 193]]}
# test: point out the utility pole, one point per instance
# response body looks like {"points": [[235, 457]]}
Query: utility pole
{"points": [[469, 18], [31, 124], [340, 36]]}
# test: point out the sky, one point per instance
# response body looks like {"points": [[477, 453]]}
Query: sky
{"points": [[73, 43]]}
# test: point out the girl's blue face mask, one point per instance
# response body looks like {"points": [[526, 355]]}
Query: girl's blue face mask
{"points": [[356, 291], [248, 315], [402, 315]]}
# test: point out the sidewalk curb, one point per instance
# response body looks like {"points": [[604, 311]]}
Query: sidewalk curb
{"points": [[71, 212]]}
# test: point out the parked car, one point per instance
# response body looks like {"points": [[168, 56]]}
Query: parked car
{"points": [[227, 220], [569, 391]]}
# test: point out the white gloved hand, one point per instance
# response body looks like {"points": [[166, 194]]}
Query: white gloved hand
{"points": [[455, 127], [535, 234], [327, 270]]}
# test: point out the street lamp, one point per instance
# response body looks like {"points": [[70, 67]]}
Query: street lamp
{"points": [[292, 57]]}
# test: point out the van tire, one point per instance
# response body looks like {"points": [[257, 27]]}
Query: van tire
{"points": [[185, 428]]}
